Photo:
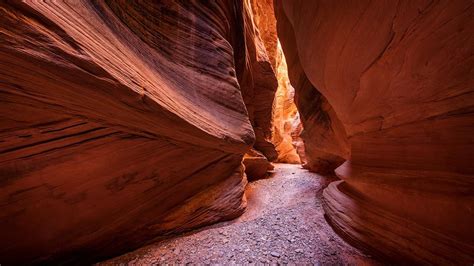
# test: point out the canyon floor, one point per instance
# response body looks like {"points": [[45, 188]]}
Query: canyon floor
{"points": [[284, 223]]}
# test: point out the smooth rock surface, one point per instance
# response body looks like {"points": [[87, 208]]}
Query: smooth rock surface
{"points": [[398, 76], [258, 83], [123, 121], [256, 165], [284, 115]]}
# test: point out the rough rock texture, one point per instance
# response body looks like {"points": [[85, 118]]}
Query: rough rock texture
{"points": [[398, 74], [121, 121]]}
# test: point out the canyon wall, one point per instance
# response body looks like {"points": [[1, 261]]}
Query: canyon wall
{"points": [[398, 75], [286, 122], [258, 85], [124, 121], [285, 118]]}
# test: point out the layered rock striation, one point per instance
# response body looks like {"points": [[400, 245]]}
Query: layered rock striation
{"points": [[258, 83], [123, 121], [285, 118], [398, 76]]}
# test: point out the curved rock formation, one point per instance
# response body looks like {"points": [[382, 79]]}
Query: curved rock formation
{"points": [[256, 165], [258, 83], [325, 142], [285, 118], [398, 75], [286, 121], [123, 121]]}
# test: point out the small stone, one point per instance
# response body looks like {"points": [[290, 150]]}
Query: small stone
{"points": [[299, 250], [225, 240], [275, 254]]}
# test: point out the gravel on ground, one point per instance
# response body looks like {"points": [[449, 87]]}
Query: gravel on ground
{"points": [[284, 223]]}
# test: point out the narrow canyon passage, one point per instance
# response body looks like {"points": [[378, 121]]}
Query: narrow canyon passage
{"points": [[146, 132], [284, 223]]}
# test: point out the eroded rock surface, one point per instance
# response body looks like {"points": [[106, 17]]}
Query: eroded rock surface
{"points": [[284, 115], [325, 141], [258, 83], [286, 120], [123, 121], [398, 76], [256, 165]]}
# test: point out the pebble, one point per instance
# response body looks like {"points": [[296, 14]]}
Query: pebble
{"points": [[294, 234]]}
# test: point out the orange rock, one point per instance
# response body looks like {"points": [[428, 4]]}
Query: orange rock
{"points": [[325, 141], [397, 75], [286, 121], [256, 165], [122, 122], [258, 84], [284, 118]]}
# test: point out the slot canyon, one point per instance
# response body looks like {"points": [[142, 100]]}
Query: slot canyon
{"points": [[237, 132]]}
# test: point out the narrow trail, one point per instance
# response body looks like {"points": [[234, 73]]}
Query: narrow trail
{"points": [[284, 223]]}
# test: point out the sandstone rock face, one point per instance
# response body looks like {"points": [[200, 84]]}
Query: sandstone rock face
{"points": [[256, 165], [258, 83], [285, 118], [325, 141], [123, 121], [398, 76], [286, 121], [264, 19]]}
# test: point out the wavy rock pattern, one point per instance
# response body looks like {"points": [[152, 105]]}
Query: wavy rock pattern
{"points": [[122, 121], [286, 121], [285, 118], [325, 141], [259, 84], [398, 74]]}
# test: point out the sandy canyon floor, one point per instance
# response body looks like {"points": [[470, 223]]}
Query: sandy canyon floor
{"points": [[284, 223]]}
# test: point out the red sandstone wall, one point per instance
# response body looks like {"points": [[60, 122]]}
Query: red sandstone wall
{"points": [[121, 121], [398, 75]]}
